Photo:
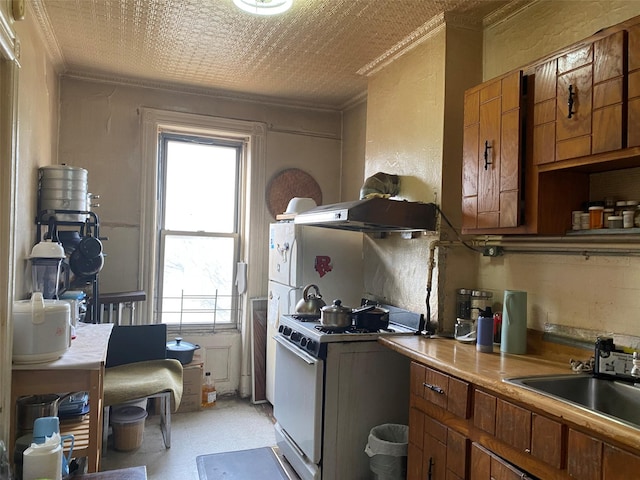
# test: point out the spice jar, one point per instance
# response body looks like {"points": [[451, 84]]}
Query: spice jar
{"points": [[596, 217]]}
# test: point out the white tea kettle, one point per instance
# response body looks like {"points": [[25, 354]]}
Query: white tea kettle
{"points": [[41, 329]]}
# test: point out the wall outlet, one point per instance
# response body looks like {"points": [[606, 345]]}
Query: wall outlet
{"points": [[492, 251]]}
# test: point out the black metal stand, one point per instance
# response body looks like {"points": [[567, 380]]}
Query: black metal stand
{"points": [[48, 218]]}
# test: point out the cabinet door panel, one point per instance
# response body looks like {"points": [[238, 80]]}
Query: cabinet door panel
{"points": [[470, 212], [484, 412], [633, 128], [510, 91], [435, 429], [510, 153], [501, 470], [414, 463], [416, 427], [456, 453], [633, 35], [418, 376], [509, 208], [607, 129], [584, 456], [458, 397], [513, 425], [470, 156], [490, 91], [544, 143], [471, 108], [619, 465], [544, 112], [489, 178], [547, 440], [580, 122], [634, 84], [488, 220], [434, 466], [607, 93], [575, 59], [608, 57], [574, 147], [480, 463], [545, 81]]}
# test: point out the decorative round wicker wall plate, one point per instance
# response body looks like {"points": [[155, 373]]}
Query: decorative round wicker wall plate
{"points": [[288, 184]]}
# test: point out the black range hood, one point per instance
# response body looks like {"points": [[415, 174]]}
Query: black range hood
{"points": [[372, 215]]}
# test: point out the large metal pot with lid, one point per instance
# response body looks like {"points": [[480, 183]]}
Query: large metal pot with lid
{"points": [[338, 316]]}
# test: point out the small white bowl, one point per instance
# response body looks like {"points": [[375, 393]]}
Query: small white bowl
{"points": [[300, 204]]}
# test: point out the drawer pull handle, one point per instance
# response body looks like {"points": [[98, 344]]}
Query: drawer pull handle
{"points": [[570, 101], [434, 388], [486, 154]]}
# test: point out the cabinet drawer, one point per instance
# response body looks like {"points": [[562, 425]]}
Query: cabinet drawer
{"points": [[513, 425], [484, 412], [440, 389], [584, 456], [548, 440]]}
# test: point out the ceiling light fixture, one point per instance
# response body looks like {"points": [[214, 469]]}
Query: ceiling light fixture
{"points": [[264, 7]]}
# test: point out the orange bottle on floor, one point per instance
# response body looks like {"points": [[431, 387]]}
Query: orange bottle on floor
{"points": [[209, 393]]}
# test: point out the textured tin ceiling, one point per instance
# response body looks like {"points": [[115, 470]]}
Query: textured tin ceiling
{"points": [[318, 53]]}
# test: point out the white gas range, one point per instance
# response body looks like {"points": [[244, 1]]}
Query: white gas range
{"points": [[332, 387]]}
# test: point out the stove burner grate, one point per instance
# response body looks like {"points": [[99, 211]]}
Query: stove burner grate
{"points": [[351, 329], [306, 317]]}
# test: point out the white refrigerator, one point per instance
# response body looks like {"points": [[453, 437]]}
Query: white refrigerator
{"points": [[301, 255]]}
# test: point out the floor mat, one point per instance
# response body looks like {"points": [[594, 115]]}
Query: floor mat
{"points": [[258, 463]]}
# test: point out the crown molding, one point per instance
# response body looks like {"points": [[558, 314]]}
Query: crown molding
{"points": [[46, 30], [434, 25]]}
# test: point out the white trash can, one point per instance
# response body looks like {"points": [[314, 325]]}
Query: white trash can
{"points": [[387, 449]]}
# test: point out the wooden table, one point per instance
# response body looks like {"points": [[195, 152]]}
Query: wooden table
{"points": [[80, 369], [131, 473]]}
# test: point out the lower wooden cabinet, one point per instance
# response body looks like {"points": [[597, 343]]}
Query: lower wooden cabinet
{"points": [[499, 439]]}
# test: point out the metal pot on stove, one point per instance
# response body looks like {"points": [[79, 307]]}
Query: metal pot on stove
{"points": [[338, 316]]}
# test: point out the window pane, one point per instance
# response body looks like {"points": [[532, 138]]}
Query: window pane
{"points": [[201, 182], [198, 280]]}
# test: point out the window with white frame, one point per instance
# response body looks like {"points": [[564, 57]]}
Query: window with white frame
{"points": [[199, 230]]}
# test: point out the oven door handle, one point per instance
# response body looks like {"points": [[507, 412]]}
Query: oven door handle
{"points": [[296, 351]]}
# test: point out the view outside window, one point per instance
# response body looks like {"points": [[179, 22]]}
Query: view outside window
{"points": [[199, 231]]}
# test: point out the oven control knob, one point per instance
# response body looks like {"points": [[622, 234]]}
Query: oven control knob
{"points": [[287, 331], [311, 345], [303, 341], [295, 336], [281, 328]]}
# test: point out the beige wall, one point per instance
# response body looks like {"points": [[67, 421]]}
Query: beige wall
{"points": [[414, 129], [101, 131], [354, 124], [37, 139], [547, 26], [596, 293], [37, 114]]}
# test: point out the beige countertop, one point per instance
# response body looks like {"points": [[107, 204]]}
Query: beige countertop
{"points": [[488, 370]]}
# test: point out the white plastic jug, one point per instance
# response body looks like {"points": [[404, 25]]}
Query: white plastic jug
{"points": [[43, 460], [514, 322]]}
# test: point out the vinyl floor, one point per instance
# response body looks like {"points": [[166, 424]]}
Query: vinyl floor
{"points": [[233, 424]]}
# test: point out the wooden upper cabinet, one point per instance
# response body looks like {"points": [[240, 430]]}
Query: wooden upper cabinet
{"points": [[633, 78], [579, 104], [491, 162]]}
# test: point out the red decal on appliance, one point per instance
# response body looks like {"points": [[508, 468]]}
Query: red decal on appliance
{"points": [[323, 265]]}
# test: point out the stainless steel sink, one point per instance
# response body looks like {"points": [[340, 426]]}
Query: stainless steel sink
{"points": [[614, 399]]}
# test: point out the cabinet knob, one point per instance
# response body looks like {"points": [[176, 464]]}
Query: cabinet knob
{"points": [[527, 450]]}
